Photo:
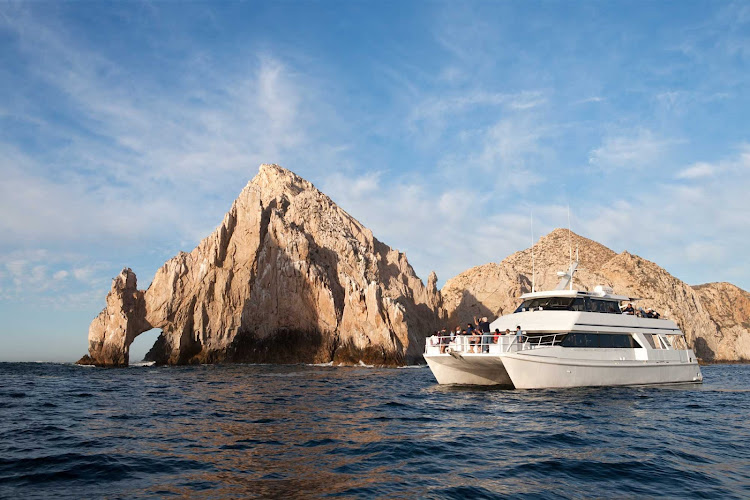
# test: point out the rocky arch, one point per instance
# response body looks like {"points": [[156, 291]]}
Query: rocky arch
{"points": [[119, 323]]}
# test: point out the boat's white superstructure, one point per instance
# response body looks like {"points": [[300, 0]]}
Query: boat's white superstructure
{"points": [[569, 338]]}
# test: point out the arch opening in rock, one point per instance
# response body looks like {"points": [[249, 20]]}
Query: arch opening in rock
{"points": [[142, 344]]}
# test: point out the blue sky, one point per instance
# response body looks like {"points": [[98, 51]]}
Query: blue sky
{"points": [[127, 130]]}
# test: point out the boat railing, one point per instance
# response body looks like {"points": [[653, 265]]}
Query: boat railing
{"points": [[462, 344]]}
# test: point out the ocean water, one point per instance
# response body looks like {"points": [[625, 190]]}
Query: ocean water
{"points": [[259, 431]]}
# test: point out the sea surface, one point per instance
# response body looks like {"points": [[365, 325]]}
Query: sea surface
{"points": [[260, 431]]}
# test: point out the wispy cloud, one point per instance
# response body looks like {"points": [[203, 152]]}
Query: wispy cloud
{"points": [[697, 171], [134, 151], [638, 149], [735, 167], [593, 99]]}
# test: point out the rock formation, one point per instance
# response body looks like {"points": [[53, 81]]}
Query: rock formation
{"points": [[287, 277], [715, 317], [729, 307]]}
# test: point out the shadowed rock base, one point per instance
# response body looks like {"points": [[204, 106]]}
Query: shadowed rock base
{"points": [[284, 347]]}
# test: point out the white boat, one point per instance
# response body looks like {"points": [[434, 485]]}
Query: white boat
{"points": [[570, 338]]}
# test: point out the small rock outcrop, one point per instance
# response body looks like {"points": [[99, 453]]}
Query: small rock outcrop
{"points": [[715, 317], [287, 277]]}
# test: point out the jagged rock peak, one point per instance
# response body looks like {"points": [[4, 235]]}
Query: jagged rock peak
{"points": [[716, 332], [557, 246], [274, 179], [288, 276]]}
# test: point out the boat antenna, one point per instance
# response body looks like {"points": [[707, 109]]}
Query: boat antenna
{"points": [[570, 250], [566, 280], [533, 271]]}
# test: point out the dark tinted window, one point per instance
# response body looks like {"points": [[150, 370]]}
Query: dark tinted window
{"points": [[608, 340], [603, 306], [578, 305], [570, 304], [552, 304], [622, 341], [602, 340]]}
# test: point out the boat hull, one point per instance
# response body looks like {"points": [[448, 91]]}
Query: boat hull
{"points": [[531, 371], [468, 369]]}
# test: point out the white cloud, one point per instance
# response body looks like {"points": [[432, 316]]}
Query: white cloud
{"points": [[135, 152], [42, 276], [594, 99], [697, 171], [447, 231], [691, 228], [734, 167], [434, 117], [639, 149]]}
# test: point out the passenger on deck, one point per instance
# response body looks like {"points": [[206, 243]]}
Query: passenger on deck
{"points": [[652, 313], [519, 335], [629, 309], [435, 338], [444, 340], [649, 313], [473, 339], [484, 327], [496, 337], [507, 331]]}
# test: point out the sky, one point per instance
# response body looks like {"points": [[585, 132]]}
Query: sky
{"points": [[128, 128]]}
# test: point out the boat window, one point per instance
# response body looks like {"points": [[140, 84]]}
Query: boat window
{"points": [[574, 340], [552, 304], [545, 339], [591, 340], [663, 341], [653, 341], [578, 305], [622, 341], [603, 306], [608, 340], [601, 340], [677, 342], [570, 304]]}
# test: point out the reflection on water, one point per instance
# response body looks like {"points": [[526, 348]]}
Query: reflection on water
{"points": [[280, 431]]}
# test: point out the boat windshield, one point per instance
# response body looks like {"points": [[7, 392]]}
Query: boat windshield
{"points": [[586, 304], [553, 303]]}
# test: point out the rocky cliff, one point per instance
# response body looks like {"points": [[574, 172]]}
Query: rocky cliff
{"points": [[287, 277], [715, 317]]}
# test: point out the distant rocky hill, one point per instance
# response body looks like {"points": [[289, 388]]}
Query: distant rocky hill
{"points": [[715, 317], [287, 277]]}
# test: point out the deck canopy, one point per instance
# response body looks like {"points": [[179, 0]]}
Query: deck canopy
{"points": [[599, 292]]}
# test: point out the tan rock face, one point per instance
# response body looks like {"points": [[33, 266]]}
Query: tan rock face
{"points": [[729, 308], [119, 323], [714, 317], [287, 277]]}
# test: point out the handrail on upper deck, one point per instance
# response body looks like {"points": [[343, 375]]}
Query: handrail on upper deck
{"points": [[460, 343]]}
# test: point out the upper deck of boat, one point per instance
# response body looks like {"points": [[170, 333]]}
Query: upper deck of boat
{"points": [[576, 310]]}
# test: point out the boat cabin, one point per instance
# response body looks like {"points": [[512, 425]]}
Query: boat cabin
{"points": [[601, 300]]}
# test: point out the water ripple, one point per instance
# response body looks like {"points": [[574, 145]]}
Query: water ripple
{"points": [[264, 431]]}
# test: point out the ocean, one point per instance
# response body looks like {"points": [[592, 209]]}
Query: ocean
{"points": [[263, 431]]}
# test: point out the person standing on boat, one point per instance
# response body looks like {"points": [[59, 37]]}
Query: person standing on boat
{"points": [[519, 336], [484, 327]]}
